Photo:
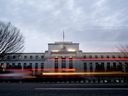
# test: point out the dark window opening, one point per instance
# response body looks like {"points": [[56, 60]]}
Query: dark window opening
{"points": [[37, 57], [85, 66], [25, 57], [31, 57]]}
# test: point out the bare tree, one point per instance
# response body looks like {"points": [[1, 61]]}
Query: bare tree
{"points": [[11, 40], [124, 50]]}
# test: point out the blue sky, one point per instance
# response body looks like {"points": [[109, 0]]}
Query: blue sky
{"points": [[98, 25]]}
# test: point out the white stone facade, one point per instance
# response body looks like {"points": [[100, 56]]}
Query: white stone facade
{"points": [[62, 55]]}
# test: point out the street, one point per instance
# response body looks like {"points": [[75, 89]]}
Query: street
{"points": [[40, 89]]}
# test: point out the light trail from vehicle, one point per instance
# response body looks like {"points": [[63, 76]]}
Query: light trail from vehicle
{"points": [[92, 59], [83, 73]]}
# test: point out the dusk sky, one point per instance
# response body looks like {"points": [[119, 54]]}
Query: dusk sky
{"points": [[98, 25]]}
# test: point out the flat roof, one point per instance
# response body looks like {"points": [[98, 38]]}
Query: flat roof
{"points": [[67, 43]]}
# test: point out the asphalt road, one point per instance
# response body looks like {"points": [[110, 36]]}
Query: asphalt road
{"points": [[39, 89]]}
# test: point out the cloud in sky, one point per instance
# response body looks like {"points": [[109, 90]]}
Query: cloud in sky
{"points": [[92, 23]]}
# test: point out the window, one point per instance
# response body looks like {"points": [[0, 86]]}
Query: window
{"points": [[19, 65], [97, 66], [70, 63], [120, 63], [90, 56], [113, 56], [125, 56], [1, 65], [91, 68], [114, 66], [19, 56], [84, 56], [37, 57], [13, 65], [107, 56], [114, 63], [8, 57], [96, 56], [85, 66], [7, 65], [108, 66], [30, 65], [102, 66], [119, 67], [31, 57], [14, 57], [102, 56], [119, 56], [42, 57], [36, 65], [56, 63], [42, 65], [63, 63], [126, 66], [25, 65], [25, 57], [56, 59]]}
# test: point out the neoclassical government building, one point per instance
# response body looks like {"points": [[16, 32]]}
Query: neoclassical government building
{"points": [[65, 58]]}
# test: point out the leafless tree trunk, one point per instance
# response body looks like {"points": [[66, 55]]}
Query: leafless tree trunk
{"points": [[11, 41]]}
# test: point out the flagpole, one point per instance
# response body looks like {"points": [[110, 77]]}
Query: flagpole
{"points": [[63, 35]]}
